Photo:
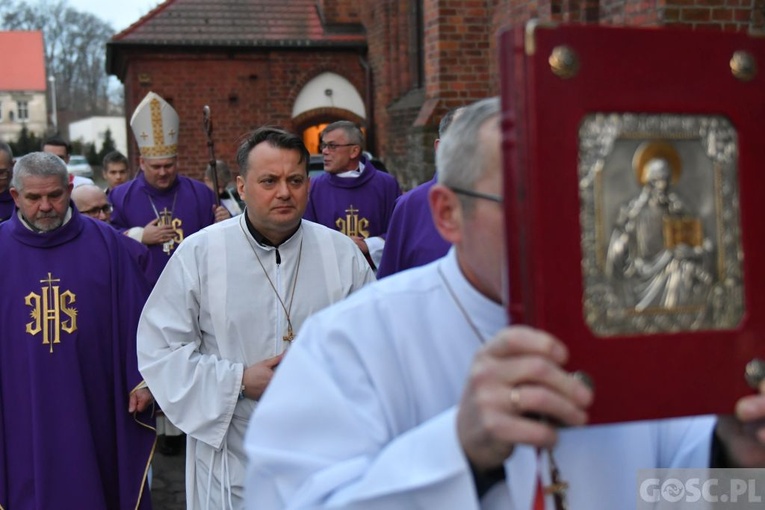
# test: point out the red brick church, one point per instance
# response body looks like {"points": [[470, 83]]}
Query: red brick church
{"points": [[393, 66]]}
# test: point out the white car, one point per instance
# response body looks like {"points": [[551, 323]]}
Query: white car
{"points": [[78, 165]]}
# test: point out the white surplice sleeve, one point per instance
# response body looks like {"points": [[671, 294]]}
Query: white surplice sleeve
{"points": [[197, 392], [357, 450]]}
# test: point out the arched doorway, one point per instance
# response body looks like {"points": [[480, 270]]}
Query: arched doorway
{"points": [[324, 99]]}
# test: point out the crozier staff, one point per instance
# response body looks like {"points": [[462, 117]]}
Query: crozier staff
{"points": [[159, 207], [208, 125]]}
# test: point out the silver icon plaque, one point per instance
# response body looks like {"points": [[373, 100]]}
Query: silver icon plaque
{"points": [[661, 233]]}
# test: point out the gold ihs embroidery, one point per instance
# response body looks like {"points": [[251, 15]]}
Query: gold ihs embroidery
{"points": [[166, 218], [352, 225], [48, 307]]}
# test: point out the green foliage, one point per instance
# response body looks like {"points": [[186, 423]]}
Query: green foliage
{"points": [[26, 142], [107, 147], [77, 147], [92, 155]]}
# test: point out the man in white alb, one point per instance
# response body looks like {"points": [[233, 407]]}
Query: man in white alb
{"points": [[429, 402], [227, 306]]}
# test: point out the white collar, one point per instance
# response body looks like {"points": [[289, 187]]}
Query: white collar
{"points": [[487, 315], [352, 174]]}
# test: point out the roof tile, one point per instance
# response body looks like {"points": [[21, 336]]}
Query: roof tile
{"points": [[26, 70], [241, 22]]}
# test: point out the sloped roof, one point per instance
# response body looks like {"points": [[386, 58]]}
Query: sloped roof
{"points": [[25, 71], [285, 23]]}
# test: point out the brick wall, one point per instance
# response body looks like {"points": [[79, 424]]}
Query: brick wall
{"points": [[339, 11], [461, 63], [457, 70], [377, 17], [728, 15], [243, 91]]}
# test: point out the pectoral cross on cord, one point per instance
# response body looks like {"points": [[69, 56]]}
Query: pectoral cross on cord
{"points": [[167, 246], [557, 486], [287, 309], [290, 335]]}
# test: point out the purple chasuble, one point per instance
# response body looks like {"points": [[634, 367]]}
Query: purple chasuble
{"points": [[140, 253], [187, 205], [360, 206], [69, 308], [7, 205], [412, 238]]}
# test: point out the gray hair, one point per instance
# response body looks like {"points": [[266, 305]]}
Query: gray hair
{"points": [[460, 155], [351, 130], [38, 164], [447, 120]]}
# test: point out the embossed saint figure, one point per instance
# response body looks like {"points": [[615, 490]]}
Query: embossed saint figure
{"points": [[657, 255]]}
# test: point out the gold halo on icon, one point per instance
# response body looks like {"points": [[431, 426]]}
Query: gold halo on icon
{"points": [[657, 149]]}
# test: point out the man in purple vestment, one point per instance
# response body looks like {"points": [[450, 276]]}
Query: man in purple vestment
{"points": [[6, 171], [75, 426], [90, 200], [159, 207], [352, 196], [412, 238]]}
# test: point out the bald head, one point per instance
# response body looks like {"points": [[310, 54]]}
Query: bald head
{"points": [[91, 201]]}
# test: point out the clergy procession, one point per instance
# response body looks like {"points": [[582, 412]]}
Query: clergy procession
{"points": [[263, 339], [315, 342]]}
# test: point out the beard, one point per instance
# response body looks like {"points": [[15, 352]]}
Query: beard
{"points": [[45, 222]]}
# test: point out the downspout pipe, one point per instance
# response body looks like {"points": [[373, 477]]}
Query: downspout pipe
{"points": [[369, 104]]}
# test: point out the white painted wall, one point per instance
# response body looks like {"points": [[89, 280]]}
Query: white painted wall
{"points": [[329, 90], [37, 110], [93, 130]]}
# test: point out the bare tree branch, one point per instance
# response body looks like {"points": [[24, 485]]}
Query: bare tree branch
{"points": [[75, 50]]}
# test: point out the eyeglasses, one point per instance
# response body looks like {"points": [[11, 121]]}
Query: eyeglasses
{"points": [[477, 194], [332, 147], [106, 209]]}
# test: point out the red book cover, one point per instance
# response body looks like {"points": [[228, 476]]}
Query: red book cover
{"points": [[634, 185]]}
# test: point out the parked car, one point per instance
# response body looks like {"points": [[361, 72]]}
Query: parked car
{"points": [[316, 164], [78, 165]]}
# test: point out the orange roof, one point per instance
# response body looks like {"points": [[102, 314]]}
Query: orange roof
{"points": [[26, 70]]}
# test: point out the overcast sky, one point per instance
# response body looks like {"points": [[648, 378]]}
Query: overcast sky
{"points": [[119, 13]]}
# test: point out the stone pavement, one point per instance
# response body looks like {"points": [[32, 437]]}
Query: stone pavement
{"points": [[168, 487]]}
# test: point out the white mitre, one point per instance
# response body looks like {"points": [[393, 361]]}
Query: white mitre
{"points": [[155, 126]]}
